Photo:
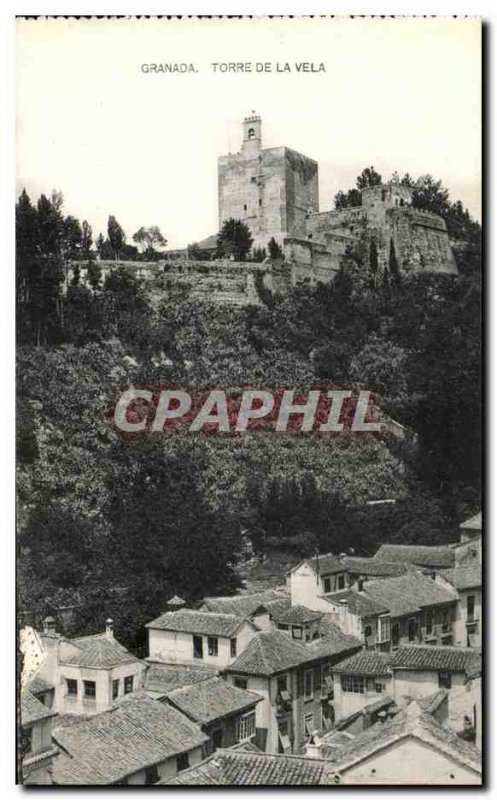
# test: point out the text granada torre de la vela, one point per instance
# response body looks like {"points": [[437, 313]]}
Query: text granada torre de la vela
{"points": [[232, 67]]}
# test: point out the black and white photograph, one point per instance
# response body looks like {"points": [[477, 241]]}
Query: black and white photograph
{"points": [[249, 378]]}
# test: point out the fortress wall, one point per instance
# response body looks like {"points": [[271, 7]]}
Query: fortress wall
{"points": [[421, 241]]}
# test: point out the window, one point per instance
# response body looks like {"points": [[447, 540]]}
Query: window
{"points": [[283, 627], [246, 726], [182, 762], [326, 681], [412, 629], [282, 683], [284, 744], [90, 689], [128, 684], [115, 689], [212, 645], [308, 684], [445, 621], [352, 683], [241, 683], [367, 630], [251, 133], [384, 629], [296, 632], [379, 688], [308, 724], [72, 687], [341, 581], [198, 647], [444, 680], [151, 775], [395, 634], [429, 622], [470, 607], [327, 585], [244, 207], [233, 648]]}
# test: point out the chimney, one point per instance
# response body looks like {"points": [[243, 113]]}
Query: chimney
{"points": [[109, 628], [49, 626]]}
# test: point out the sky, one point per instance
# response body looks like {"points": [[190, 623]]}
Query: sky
{"points": [[401, 94]]}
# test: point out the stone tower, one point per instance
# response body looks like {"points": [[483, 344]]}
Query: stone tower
{"points": [[272, 190]]}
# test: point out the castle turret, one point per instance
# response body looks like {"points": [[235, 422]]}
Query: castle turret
{"points": [[252, 133]]}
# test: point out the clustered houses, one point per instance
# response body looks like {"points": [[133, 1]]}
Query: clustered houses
{"points": [[354, 667]]}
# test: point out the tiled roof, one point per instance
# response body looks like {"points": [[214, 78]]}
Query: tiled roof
{"points": [[99, 651], [473, 523], [212, 699], [238, 768], [425, 656], [39, 685], [162, 678], [374, 567], [358, 602], [269, 652], [408, 593], [409, 723], [136, 734], [295, 615], [421, 555], [431, 702], [32, 710], [326, 563], [333, 641], [246, 605], [200, 622], [463, 577], [366, 662]]}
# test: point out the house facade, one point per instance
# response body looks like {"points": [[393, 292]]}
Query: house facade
{"points": [[88, 673], [226, 713], [198, 637], [295, 682], [359, 681]]}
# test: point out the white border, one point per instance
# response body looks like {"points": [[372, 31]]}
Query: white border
{"points": [[487, 9]]}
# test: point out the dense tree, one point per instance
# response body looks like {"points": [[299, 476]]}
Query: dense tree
{"points": [[274, 249], [86, 239], [116, 236], [368, 177], [234, 239], [149, 238]]}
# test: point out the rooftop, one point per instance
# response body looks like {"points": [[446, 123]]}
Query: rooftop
{"points": [[425, 656], [366, 662], [246, 605], [162, 678], [463, 577], [358, 602], [473, 523], [373, 567], [431, 702], [98, 651], [212, 699], [32, 710], [199, 622], [270, 652], [295, 615], [136, 734], [241, 768], [415, 723], [421, 555], [408, 593], [325, 564]]}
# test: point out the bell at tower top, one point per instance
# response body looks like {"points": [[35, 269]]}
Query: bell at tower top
{"points": [[252, 134]]}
